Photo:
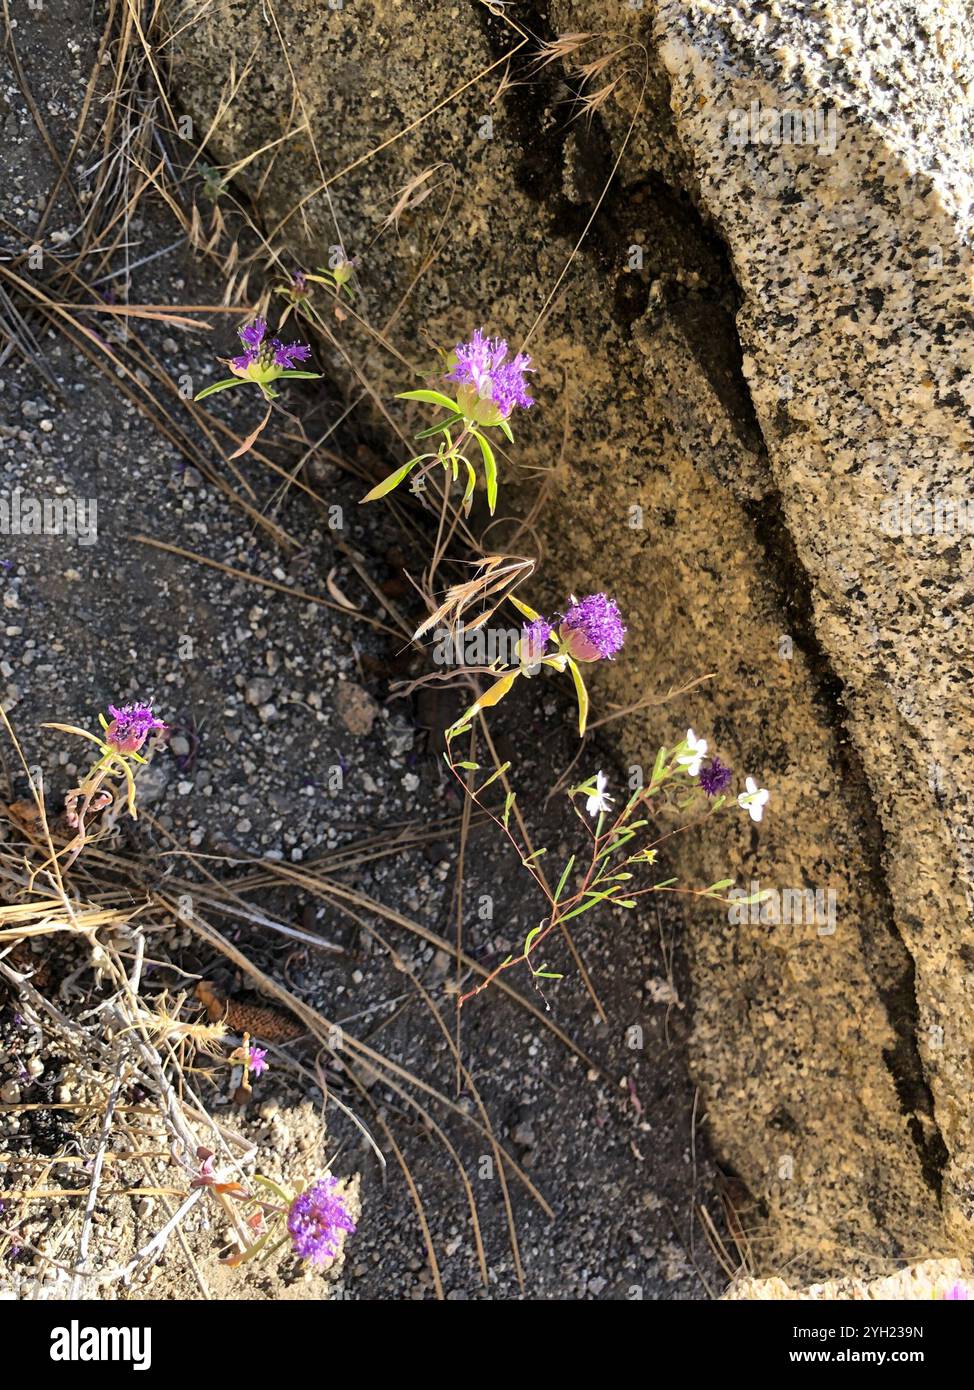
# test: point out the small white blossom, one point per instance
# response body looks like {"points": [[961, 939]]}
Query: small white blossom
{"points": [[598, 801], [754, 800], [698, 751]]}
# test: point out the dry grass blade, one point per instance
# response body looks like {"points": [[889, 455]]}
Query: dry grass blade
{"points": [[562, 47], [497, 576]]}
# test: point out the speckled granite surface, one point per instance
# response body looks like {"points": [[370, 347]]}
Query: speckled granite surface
{"points": [[854, 264], [930, 1279]]}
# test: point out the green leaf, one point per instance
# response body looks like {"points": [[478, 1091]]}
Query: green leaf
{"points": [[391, 483], [490, 470], [505, 429], [529, 939], [495, 694], [620, 838], [294, 375], [223, 385], [720, 885], [582, 695], [666, 883], [524, 608], [546, 975], [508, 803], [658, 767], [431, 398], [591, 900], [532, 857], [564, 878], [498, 772], [471, 484], [438, 429], [470, 767]]}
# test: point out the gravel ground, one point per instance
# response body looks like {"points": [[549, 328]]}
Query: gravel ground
{"points": [[286, 745]]}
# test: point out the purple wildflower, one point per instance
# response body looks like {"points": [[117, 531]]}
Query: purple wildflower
{"points": [[715, 777], [957, 1293], [535, 637], [130, 727], [482, 364], [315, 1219], [286, 354], [592, 629], [257, 1060], [265, 359]]}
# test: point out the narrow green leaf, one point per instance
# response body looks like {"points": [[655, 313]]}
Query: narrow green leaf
{"points": [[564, 878], [498, 772], [582, 695], [529, 939], [293, 374], [431, 398], [508, 803], [760, 897], [524, 608], [438, 429], [720, 885], [505, 429], [391, 483], [494, 694], [223, 385], [471, 485], [490, 470]]}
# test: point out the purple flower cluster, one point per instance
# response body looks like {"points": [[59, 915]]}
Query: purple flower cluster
{"points": [[257, 1059], [315, 1219], [130, 727], [592, 629], [482, 363], [535, 637], [715, 777], [266, 353]]}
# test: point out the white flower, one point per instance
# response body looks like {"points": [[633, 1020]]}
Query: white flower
{"points": [[598, 801], [698, 751], [754, 800]]}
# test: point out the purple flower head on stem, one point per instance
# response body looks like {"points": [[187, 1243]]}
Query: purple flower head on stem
{"points": [[715, 777], [257, 1060], [482, 367], [286, 354], [592, 629], [130, 727], [315, 1219], [265, 358], [535, 637]]}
